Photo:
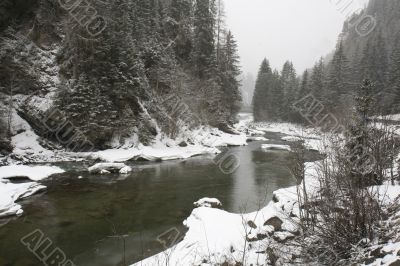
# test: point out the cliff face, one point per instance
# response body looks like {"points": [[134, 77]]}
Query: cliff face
{"points": [[108, 72]]}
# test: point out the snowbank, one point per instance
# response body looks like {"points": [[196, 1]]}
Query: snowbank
{"points": [[34, 173], [275, 147], [212, 137], [310, 136], [9, 193], [152, 153]]}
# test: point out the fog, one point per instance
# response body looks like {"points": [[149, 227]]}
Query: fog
{"points": [[298, 30]]}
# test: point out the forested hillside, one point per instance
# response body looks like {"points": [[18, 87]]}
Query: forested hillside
{"points": [[117, 69], [365, 50]]}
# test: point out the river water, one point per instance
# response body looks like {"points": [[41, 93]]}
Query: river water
{"points": [[115, 220]]}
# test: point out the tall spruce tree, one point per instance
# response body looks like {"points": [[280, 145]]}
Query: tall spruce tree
{"points": [[204, 43], [261, 92], [230, 71], [392, 100], [290, 87], [317, 79], [338, 84]]}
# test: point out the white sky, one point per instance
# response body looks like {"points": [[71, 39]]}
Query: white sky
{"points": [[298, 30]]}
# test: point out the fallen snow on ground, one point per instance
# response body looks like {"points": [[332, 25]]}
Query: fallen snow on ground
{"points": [[34, 173], [152, 153], [394, 117], [275, 147], [9, 192], [257, 139], [311, 136], [212, 137]]}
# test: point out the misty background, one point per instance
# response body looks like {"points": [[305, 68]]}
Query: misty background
{"points": [[299, 30]]}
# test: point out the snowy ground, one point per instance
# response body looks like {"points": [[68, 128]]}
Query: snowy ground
{"points": [[10, 192]]}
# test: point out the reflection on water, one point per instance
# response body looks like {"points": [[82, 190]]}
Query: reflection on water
{"points": [[87, 217]]}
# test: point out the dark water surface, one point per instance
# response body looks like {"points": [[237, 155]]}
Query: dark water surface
{"points": [[84, 217]]}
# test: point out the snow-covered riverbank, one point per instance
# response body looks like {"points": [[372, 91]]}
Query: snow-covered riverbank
{"points": [[28, 151], [10, 192], [217, 237]]}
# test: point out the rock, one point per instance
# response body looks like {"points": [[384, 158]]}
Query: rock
{"points": [[395, 263], [183, 144], [272, 257], [208, 202], [377, 253], [125, 170], [109, 167], [275, 147], [369, 260], [105, 172], [252, 224], [282, 237], [275, 222]]}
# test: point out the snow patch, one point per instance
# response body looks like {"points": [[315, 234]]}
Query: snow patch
{"points": [[275, 147], [34, 173]]}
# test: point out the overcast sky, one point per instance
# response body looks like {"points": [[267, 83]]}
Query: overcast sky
{"points": [[298, 30]]}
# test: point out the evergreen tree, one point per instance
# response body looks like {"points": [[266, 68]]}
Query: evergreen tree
{"points": [[276, 97], [304, 86], [358, 139], [290, 88], [338, 84], [230, 71], [392, 101], [204, 45], [180, 28], [317, 79], [261, 92]]}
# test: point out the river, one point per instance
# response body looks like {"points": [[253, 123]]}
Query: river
{"points": [[115, 220]]}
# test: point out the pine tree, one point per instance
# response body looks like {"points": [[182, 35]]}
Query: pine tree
{"points": [[290, 87], [261, 92], [304, 86], [91, 114], [338, 84], [180, 28], [230, 71], [275, 99], [317, 79], [358, 139], [204, 48], [392, 100]]}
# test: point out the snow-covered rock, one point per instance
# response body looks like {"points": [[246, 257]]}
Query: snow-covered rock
{"points": [[106, 168], [34, 173], [256, 139], [125, 170], [291, 138], [208, 202], [104, 172], [152, 153], [275, 147]]}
